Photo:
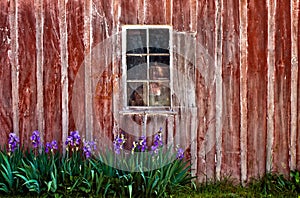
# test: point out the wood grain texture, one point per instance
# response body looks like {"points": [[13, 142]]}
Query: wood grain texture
{"points": [[257, 88], [231, 86], [282, 91], [294, 81], [52, 77], [75, 26], [6, 114], [243, 17], [27, 71], [205, 89], [39, 16], [236, 79], [296, 53]]}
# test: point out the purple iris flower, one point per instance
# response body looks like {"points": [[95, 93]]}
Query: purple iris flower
{"points": [[13, 142], [118, 143], [157, 142], [48, 147], [142, 144], [88, 148], [180, 153], [54, 145], [51, 146], [73, 139], [35, 139]]}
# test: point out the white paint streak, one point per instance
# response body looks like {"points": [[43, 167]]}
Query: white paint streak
{"points": [[14, 60], [294, 82], [219, 93], [64, 68], [243, 15], [88, 34], [39, 15], [271, 76]]}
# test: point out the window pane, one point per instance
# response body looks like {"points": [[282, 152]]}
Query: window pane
{"points": [[159, 40], [137, 94], [136, 67], [159, 67], [136, 41], [159, 94]]}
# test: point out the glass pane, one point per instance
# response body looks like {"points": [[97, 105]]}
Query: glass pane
{"points": [[159, 67], [136, 41], [136, 67], [137, 94], [159, 94], [159, 41]]}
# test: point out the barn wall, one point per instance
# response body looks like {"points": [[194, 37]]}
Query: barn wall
{"points": [[246, 79]]}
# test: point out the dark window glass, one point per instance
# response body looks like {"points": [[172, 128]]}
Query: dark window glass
{"points": [[136, 41], [159, 41], [136, 67], [137, 92]]}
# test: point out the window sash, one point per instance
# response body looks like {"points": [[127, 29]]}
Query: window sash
{"points": [[149, 80]]}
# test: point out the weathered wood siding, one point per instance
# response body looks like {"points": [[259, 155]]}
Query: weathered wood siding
{"points": [[238, 60]]}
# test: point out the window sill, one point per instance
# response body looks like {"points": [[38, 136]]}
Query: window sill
{"points": [[148, 112]]}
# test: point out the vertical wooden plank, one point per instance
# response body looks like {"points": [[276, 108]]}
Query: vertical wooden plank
{"points": [[5, 73], [87, 40], [168, 11], [298, 122], [75, 26], [116, 69], [14, 61], [181, 19], [132, 12], [51, 73], [102, 41], [230, 97], [39, 15], [257, 88], [155, 12], [63, 34], [27, 71], [219, 91], [206, 90], [282, 91], [243, 17], [193, 16], [295, 6], [271, 68]]}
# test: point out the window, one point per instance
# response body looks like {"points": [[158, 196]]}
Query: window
{"points": [[146, 61]]}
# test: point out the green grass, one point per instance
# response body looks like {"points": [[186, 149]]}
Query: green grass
{"points": [[271, 185]]}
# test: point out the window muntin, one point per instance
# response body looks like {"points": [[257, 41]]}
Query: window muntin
{"points": [[147, 65]]}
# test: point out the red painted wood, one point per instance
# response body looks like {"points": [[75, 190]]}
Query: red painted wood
{"points": [[298, 124], [155, 12], [231, 100], [257, 88], [75, 22], [205, 90], [282, 93], [5, 74], [27, 71], [107, 18], [52, 73]]}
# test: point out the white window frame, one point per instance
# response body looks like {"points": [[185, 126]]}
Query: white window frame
{"points": [[149, 109]]}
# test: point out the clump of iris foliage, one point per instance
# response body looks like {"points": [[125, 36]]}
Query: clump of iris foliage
{"points": [[43, 170]]}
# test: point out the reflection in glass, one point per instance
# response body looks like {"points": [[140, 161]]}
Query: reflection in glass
{"points": [[136, 68], [136, 41], [159, 40], [137, 94], [159, 67], [159, 94]]}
